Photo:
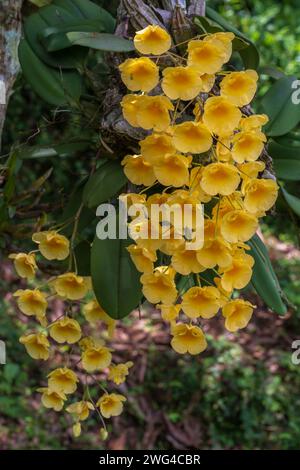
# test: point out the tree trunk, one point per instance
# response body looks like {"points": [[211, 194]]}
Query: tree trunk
{"points": [[10, 34]]}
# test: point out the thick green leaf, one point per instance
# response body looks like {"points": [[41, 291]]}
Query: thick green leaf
{"points": [[116, 282], [287, 169], [271, 72], [277, 150], [40, 3], [285, 152], [87, 216], [249, 55], [206, 25], [277, 104], [239, 44], [292, 139], [293, 201], [82, 254], [101, 41], [71, 7], [54, 38], [264, 278], [56, 88], [51, 16], [105, 183], [88, 10]]}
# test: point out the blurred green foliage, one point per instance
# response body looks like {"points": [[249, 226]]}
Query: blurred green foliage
{"points": [[239, 402], [288, 270], [273, 25]]}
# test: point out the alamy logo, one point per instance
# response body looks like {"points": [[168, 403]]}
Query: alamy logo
{"points": [[296, 354], [296, 93], [2, 352], [2, 92], [154, 221]]}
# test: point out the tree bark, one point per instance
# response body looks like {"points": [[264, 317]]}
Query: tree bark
{"points": [[10, 34], [197, 7]]}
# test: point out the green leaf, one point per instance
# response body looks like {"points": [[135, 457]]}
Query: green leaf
{"points": [[105, 183], [264, 278], [239, 44], [100, 41], [277, 104], [206, 25], [287, 169], [279, 151], [59, 150], [13, 165], [249, 55], [88, 10], [292, 139], [40, 3], [82, 254], [55, 38], [285, 152], [54, 87], [71, 7], [271, 72], [293, 201], [86, 216], [116, 282], [51, 16]]}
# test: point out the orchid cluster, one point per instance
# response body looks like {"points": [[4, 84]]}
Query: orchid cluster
{"points": [[65, 335], [201, 147]]}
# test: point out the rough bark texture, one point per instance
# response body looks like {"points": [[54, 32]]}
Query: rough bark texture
{"points": [[10, 33], [197, 7]]}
